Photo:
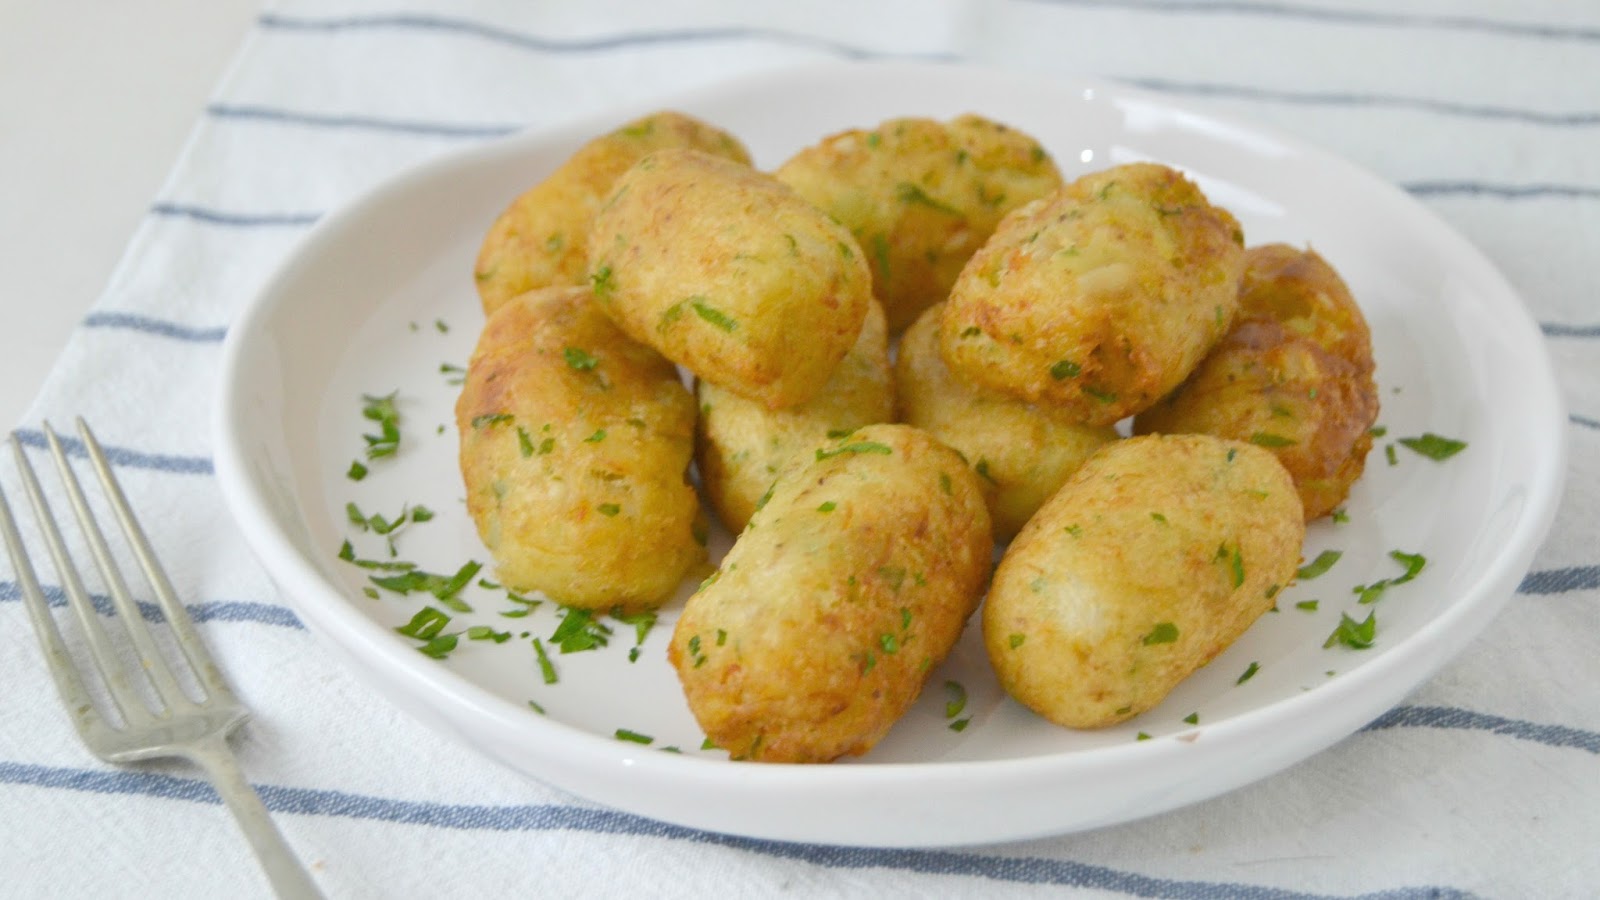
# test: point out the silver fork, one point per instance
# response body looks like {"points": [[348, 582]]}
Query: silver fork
{"points": [[179, 725]]}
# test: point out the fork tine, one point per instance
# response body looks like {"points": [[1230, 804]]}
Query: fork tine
{"points": [[112, 674], [73, 694], [151, 659], [194, 649]]}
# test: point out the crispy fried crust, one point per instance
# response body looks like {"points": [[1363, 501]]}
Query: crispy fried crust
{"points": [[921, 197], [1022, 452], [541, 239], [575, 442], [741, 446], [1295, 375], [1100, 298], [1154, 557], [729, 273], [847, 588]]}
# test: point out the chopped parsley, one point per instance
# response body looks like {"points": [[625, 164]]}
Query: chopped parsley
{"points": [[579, 359], [957, 701], [721, 320], [598, 436], [382, 410], [1353, 634], [578, 631], [913, 193], [1016, 639], [1264, 439], [1249, 673], [1192, 718], [1433, 446], [609, 509], [827, 506], [357, 471], [1318, 566], [1307, 605], [485, 421], [1163, 633], [444, 587], [602, 282], [624, 734], [547, 669], [855, 447], [1065, 369]]}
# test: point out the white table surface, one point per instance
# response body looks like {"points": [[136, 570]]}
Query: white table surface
{"points": [[96, 100]]}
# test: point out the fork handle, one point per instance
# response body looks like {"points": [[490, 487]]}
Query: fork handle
{"points": [[289, 879]]}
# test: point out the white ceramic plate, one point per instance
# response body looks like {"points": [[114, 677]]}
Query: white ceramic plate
{"points": [[356, 310]]}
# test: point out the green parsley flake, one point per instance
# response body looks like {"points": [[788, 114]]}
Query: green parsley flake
{"points": [[578, 631], [485, 633], [827, 506], [711, 314], [1307, 605], [490, 419], [1433, 446], [624, 734], [957, 699], [1353, 634], [427, 624], [1264, 439], [597, 437], [960, 725], [609, 509], [357, 471], [1388, 453], [1065, 369], [547, 669], [579, 359], [1318, 566], [1249, 673], [439, 647], [602, 282], [1016, 639], [382, 410], [1163, 633], [524, 443], [855, 447], [1192, 718], [912, 193], [445, 588]]}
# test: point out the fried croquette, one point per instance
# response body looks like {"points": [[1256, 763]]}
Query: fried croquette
{"points": [[921, 197], [1022, 452], [741, 446], [1099, 299], [1153, 558], [541, 239], [729, 273], [847, 588], [575, 441], [1295, 375]]}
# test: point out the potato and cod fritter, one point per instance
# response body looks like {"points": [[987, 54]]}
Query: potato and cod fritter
{"points": [[1153, 557], [575, 446], [1022, 452], [1099, 299], [741, 445], [1294, 375], [921, 197], [541, 239], [729, 273], [845, 591]]}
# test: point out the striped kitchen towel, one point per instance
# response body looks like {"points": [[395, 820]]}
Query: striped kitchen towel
{"points": [[1485, 782]]}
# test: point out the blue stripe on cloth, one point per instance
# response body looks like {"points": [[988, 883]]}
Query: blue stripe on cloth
{"points": [[148, 325], [1501, 191], [364, 123], [1342, 16], [1556, 329], [554, 817], [1455, 718], [247, 220], [1560, 581], [419, 22], [1585, 421], [122, 456], [202, 611], [1320, 98]]}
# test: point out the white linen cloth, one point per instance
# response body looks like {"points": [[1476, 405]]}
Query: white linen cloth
{"points": [[1485, 782]]}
